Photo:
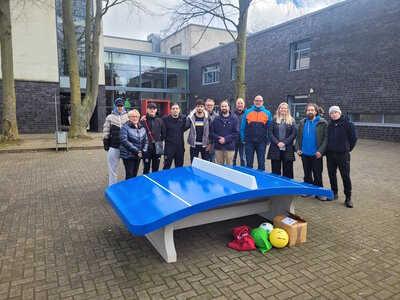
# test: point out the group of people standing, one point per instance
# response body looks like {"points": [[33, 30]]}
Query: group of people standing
{"points": [[222, 138]]}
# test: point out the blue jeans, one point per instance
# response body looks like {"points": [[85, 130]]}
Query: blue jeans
{"points": [[212, 157], [260, 150], [242, 155]]}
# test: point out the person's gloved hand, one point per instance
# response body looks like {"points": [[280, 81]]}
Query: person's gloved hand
{"points": [[106, 143]]}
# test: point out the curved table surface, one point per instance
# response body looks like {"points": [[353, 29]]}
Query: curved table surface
{"points": [[149, 202]]}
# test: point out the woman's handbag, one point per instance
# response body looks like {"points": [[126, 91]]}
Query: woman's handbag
{"points": [[157, 145]]}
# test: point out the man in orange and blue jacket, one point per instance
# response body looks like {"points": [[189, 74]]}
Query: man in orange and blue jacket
{"points": [[254, 132]]}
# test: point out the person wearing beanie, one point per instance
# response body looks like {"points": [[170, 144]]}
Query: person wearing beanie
{"points": [[111, 130], [342, 138]]}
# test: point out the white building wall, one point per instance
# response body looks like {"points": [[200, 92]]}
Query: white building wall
{"points": [[189, 37], [128, 44], [35, 42]]}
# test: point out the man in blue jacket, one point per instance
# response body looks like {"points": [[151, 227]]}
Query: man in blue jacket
{"points": [[254, 132], [224, 130], [342, 137], [311, 141]]}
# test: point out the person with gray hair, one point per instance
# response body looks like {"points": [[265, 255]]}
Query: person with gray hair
{"points": [[342, 138], [134, 144]]}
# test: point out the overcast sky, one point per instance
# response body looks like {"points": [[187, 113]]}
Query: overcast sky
{"points": [[121, 21]]}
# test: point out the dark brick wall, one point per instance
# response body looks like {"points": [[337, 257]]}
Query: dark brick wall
{"points": [[354, 62], [36, 111], [35, 106], [379, 133]]}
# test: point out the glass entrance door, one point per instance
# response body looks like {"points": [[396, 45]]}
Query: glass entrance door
{"points": [[297, 110]]}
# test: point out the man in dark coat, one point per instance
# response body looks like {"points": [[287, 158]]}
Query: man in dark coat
{"points": [[174, 141], [239, 145], [342, 137], [223, 131]]}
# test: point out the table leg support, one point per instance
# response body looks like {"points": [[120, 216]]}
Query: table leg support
{"points": [[163, 240]]}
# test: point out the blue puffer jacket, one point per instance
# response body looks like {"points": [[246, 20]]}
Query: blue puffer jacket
{"points": [[133, 140], [228, 128]]}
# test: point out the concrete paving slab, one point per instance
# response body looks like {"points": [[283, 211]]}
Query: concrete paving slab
{"points": [[59, 238]]}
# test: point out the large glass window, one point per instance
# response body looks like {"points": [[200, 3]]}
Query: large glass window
{"points": [[375, 118], [210, 74], [180, 99], [79, 15], [177, 71], [152, 69], [131, 99], [300, 55], [125, 70]]}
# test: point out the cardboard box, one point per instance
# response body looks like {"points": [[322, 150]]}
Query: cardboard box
{"points": [[295, 227]]}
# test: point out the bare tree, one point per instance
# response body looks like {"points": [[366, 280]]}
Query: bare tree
{"points": [[9, 119], [82, 110], [233, 15]]}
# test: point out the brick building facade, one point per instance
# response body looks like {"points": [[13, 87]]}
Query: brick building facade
{"points": [[352, 61]]}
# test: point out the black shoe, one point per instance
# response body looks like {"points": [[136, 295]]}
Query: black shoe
{"points": [[348, 202], [335, 197]]}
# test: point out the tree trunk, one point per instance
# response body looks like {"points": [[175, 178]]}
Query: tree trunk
{"points": [[241, 41], [92, 47], [78, 116], [9, 119]]}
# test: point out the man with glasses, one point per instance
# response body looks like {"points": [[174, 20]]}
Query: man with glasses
{"points": [[156, 132], [254, 132]]}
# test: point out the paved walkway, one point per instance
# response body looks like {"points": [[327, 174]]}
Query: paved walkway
{"points": [[59, 238], [47, 142]]}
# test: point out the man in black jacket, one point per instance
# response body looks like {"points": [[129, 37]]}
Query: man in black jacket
{"points": [[156, 132], [174, 140], [342, 138]]}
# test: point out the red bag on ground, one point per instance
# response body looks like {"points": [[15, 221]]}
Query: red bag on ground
{"points": [[243, 240]]}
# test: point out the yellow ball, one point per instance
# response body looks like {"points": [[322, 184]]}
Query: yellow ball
{"points": [[278, 238]]}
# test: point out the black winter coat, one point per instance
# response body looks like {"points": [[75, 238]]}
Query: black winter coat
{"points": [[274, 151], [342, 136], [157, 129], [175, 128], [133, 140]]}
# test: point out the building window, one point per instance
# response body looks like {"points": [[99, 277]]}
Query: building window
{"points": [[210, 74], [233, 68], [375, 119], [177, 50], [300, 55]]}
